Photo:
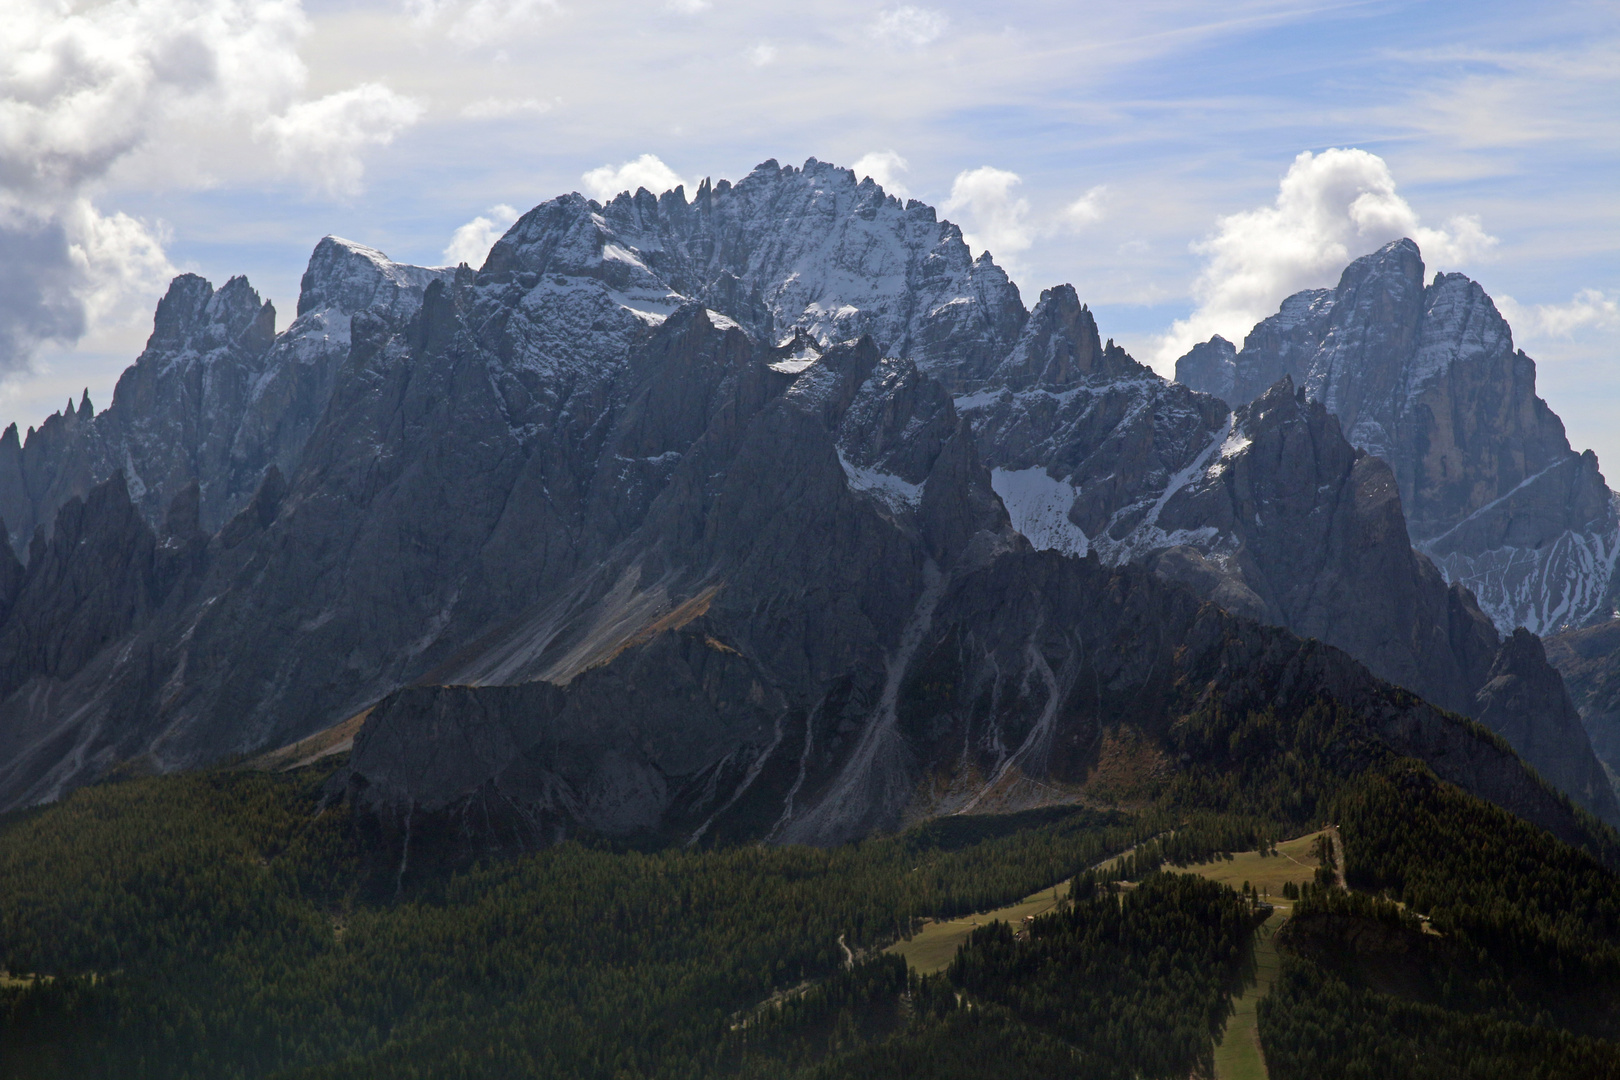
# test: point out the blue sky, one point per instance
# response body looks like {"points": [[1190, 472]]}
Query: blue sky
{"points": [[1135, 150]]}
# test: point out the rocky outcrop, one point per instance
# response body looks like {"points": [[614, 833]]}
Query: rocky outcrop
{"points": [[102, 573], [1029, 674], [1059, 347], [1589, 660], [1427, 378], [1312, 531], [1525, 702], [102, 577], [1211, 367]]}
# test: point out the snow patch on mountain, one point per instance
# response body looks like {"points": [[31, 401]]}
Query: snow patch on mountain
{"points": [[1039, 508], [887, 488], [1568, 582]]}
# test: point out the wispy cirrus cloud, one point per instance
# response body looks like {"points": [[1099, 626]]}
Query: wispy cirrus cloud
{"points": [[497, 108], [479, 24], [910, 27], [1587, 310]]}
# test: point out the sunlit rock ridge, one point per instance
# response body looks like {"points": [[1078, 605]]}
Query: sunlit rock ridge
{"points": [[1426, 377]]}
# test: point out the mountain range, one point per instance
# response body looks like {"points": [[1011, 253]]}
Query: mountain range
{"points": [[772, 513]]}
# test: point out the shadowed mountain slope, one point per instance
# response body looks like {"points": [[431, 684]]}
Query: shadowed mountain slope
{"points": [[578, 467]]}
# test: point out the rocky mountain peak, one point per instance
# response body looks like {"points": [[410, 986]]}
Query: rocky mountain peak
{"points": [[1059, 345], [784, 248], [349, 277], [1461, 326], [1210, 366], [1280, 404], [193, 317], [563, 235], [180, 311], [1396, 269], [1426, 377]]}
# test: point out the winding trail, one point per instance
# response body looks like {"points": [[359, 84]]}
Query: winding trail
{"points": [[1238, 1055]]}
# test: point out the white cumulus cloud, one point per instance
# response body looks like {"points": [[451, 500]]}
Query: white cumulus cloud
{"points": [[688, 7], [910, 27], [646, 171], [80, 89], [70, 271], [321, 139], [1086, 210], [997, 220], [762, 54], [1330, 208], [120, 261], [1589, 309], [168, 88], [885, 167], [471, 242]]}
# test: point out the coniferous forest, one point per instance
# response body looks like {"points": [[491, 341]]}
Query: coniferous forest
{"points": [[234, 924]]}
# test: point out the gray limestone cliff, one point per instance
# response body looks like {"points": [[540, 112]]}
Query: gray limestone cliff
{"points": [[1589, 660], [216, 397], [1525, 701], [1269, 511], [759, 460], [1427, 378]]}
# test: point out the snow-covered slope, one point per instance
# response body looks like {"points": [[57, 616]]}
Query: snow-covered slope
{"points": [[783, 248]]}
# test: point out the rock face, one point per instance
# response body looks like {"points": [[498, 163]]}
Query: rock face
{"points": [[1268, 511], [693, 517], [1211, 366], [1525, 701], [216, 397], [1029, 675], [734, 670], [1589, 661], [102, 575], [1427, 378]]}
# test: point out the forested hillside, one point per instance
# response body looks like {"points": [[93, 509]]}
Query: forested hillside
{"points": [[230, 924]]}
